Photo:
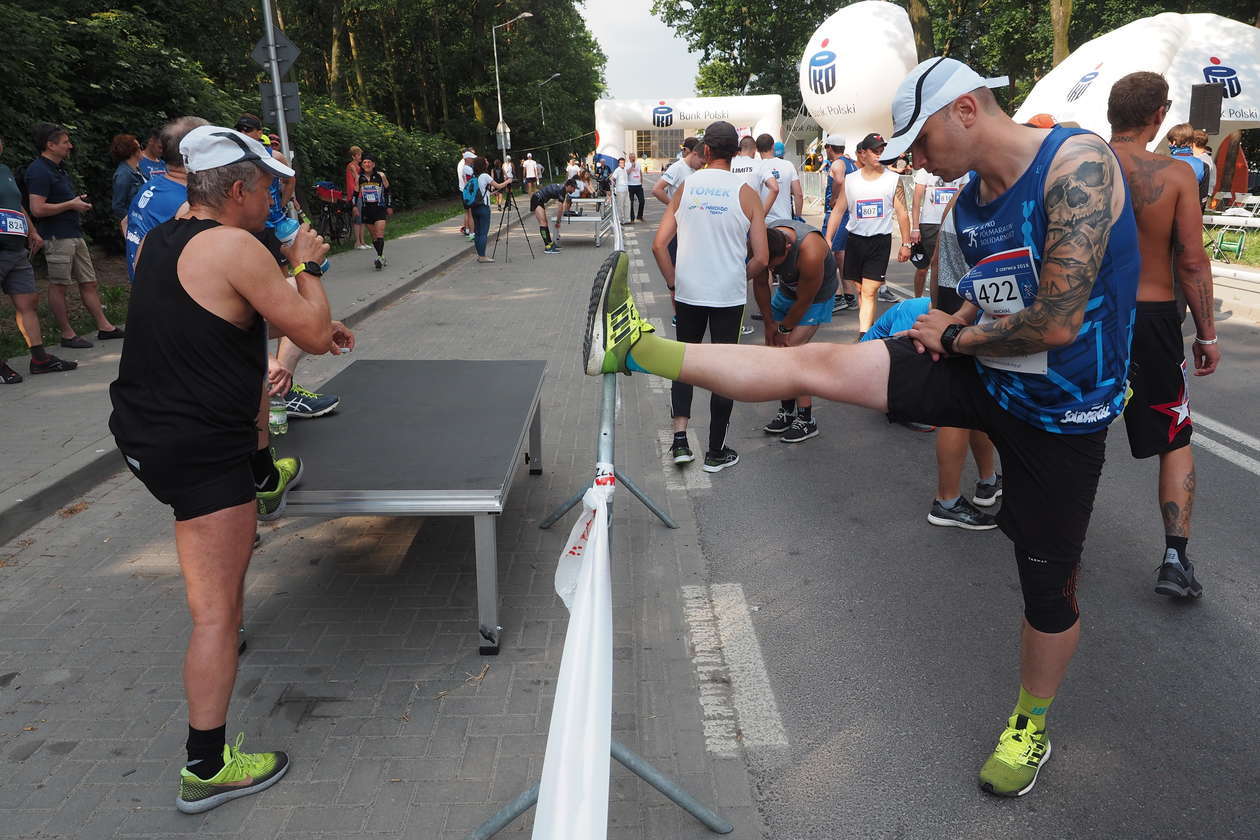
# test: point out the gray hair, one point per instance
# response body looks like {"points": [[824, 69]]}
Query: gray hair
{"points": [[170, 136], [210, 188]]}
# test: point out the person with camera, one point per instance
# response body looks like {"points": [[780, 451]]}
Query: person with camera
{"points": [[57, 207]]}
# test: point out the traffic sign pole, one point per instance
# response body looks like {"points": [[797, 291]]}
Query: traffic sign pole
{"points": [[273, 62]]}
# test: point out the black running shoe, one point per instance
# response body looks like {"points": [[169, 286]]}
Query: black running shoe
{"points": [[51, 364], [963, 514], [718, 461], [839, 304], [886, 295], [988, 494], [76, 343], [681, 453], [757, 316], [852, 301], [801, 430], [781, 422], [1176, 579], [376, 263], [8, 375], [113, 335]]}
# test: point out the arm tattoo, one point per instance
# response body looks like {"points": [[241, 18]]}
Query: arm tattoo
{"points": [[1080, 209]]}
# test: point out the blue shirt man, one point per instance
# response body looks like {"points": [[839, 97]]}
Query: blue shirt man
{"points": [[158, 202]]}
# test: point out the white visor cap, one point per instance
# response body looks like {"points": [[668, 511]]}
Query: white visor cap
{"points": [[213, 146], [928, 88]]}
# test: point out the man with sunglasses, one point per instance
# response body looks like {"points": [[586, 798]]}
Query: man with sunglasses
{"points": [[1037, 357]]}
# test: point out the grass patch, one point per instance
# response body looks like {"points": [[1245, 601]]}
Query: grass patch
{"points": [[1251, 251], [404, 222]]}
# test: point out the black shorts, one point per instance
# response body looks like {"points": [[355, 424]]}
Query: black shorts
{"points": [[193, 492], [1157, 416], [866, 257], [531, 180], [948, 299], [535, 202], [1049, 480], [373, 213]]}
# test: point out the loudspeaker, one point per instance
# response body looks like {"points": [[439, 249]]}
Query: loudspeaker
{"points": [[1205, 107]]}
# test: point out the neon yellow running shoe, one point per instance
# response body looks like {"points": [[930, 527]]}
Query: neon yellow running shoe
{"points": [[613, 324], [1021, 751], [271, 503], [242, 774]]}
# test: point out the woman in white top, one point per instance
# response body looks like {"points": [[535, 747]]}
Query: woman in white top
{"points": [[480, 209], [872, 196]]}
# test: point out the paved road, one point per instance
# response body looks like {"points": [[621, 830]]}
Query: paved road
{"points": [[890, 644]]}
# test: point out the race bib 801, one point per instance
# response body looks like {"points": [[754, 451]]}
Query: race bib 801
{"points": [[1001, 285]]}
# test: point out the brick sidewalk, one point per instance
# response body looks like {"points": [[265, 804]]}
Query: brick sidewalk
{"points": [[362, 660]]}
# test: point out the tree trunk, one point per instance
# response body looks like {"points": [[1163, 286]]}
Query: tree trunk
{"points": [[334, 57], [921, 23], [1060, 20], [361, 100], [390, 56], [441, 71]]}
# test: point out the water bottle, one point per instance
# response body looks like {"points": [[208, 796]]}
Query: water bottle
{"points": [[286, 231], [278, 417]]}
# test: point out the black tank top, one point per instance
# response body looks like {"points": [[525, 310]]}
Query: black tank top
{"points": [[189, 383]]}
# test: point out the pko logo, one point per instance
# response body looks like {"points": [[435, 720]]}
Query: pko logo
{"points": [[662, 116], [1082, 84], [1226, 77], [822, 70]]}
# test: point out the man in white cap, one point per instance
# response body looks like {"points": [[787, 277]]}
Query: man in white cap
{"points": [[187, 412], [1038, 357], [837, 167], [531, 168], [464, 171]]}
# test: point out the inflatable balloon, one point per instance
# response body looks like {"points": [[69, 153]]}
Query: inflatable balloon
{"points": [[616, 119], [852, 65]]}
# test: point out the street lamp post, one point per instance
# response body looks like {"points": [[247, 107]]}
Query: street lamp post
{"points": [[543, 114], [503, 134]]}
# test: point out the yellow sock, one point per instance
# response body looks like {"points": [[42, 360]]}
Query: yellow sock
{"points": [[1032, 707]]}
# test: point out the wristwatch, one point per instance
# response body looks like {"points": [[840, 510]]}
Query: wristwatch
{"points": [[784, 330], [311, 268], [947, 337]]}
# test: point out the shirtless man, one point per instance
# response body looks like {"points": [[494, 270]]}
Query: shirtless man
{"points": [[1170, 237], [207, 289]]}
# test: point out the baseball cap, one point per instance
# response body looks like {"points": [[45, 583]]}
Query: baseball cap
{"points": [[469, 156], [248, 122], [721, 136], [778, 149], [529, 155], [834, 140], [211, 146], [919, 256], [872, 142], [1042, 121], [928, 88]]}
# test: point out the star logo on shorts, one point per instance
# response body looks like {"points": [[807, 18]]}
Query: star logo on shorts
{"points": [[1179, 411]]}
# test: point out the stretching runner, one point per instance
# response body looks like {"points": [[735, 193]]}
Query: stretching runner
{"points": [[552, 192], [1170, 234], [1047, 229]]}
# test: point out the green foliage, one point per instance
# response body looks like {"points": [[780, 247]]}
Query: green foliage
{"points": [[717, 77]]}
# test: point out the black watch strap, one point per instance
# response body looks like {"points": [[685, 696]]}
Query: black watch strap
{"points": [[313, 268], [947, 337]]}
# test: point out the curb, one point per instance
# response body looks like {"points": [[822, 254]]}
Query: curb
{"points": [[20, 509]]}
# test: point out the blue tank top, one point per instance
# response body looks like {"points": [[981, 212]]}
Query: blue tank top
{"points": [[1083, 386], [849, 166], [158, 202]]}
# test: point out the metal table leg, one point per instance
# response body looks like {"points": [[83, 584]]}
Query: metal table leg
{"points": [[487, 583], [534, 456]]}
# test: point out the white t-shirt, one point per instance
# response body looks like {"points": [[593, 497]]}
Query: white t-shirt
{"points": [[571, 171], [783, 171], [483, 188], [678, 172], [871, 202], [750, 169], [508, 170], [619, 180], [634, 174], [712, 241], [937, 195], [463, 172], [531, 168]]}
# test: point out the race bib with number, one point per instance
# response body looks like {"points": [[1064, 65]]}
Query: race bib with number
{"points": [[371, 193], [1001, 285], [12, 223], [869, 208], [943, 195]]}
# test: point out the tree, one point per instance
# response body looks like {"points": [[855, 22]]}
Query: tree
{"points": [[717, 78]]}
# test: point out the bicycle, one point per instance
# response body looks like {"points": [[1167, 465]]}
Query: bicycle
{"points": [[333, 222]]}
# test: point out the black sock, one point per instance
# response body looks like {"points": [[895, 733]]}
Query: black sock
{"points": [[379, 245], [205, 751], [1177, 544], [788, 405], [266, 476], [680, 438], [545, 234], [805, 412], [37, 352]]}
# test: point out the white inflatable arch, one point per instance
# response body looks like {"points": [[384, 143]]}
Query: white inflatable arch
{"points": [[615, 118]]}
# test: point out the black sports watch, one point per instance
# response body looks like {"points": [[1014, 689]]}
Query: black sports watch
{"points": [[311, 268], [947, 337], [784, 330]]}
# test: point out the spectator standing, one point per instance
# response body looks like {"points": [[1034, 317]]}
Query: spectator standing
{"points": [[151, 160], [509, 169], [621, 190], [531, 168], [125, 150], [787, 204], [353, 168], [1180, 139], [18, 241], [1199, 145], [931, 196], [56, 206], [634, 183], [164, 196], [464, 171], [571, 171], [486, 184]]}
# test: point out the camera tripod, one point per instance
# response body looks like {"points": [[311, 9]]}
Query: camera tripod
{"points": [[510, 201]]}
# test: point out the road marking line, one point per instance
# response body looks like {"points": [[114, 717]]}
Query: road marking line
{"points": [[717, 712], [1226, 431], [679, 476], [1231, 455], [637, 263], [648, 297]]}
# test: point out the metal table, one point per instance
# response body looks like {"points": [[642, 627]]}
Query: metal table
{"points": [[593, 211], [424, 438]]}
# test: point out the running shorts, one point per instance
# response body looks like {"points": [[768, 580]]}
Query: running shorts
{"points": [[17, 277], [1157, 416], [818, 313], [535, 202], [373, 213], [531, 180], [841, 240], [866, 257], [193, 492], [1049, 479]]}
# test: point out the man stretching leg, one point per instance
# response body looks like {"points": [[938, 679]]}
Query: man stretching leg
{"points": [[1042, 385]]}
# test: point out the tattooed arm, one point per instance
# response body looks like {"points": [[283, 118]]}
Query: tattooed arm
{"points": [[1193, 271], [1084, 196]]}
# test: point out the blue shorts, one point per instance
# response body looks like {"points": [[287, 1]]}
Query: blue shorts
{"points": [[841, 239], [818, 313]]}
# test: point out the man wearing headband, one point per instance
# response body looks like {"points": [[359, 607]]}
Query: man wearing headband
{"points": [[1038, 357], [187, 416]]}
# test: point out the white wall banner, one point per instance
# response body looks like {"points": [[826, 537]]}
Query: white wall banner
{"points": [[573, 792]]}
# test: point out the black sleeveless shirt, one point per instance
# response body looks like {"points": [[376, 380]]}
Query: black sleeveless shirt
{"points": [[189, 383]]}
